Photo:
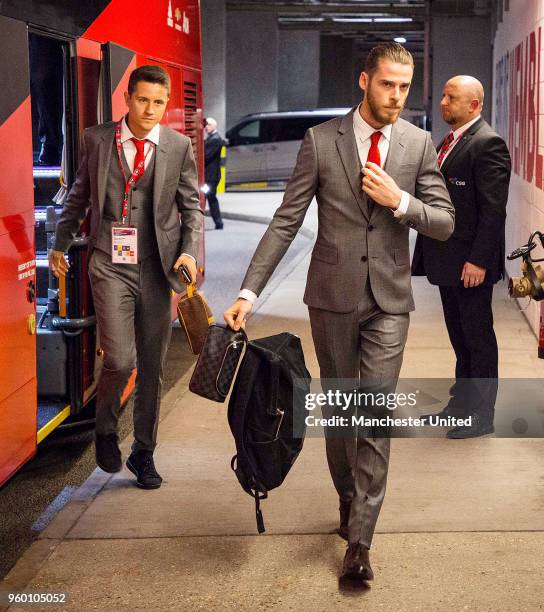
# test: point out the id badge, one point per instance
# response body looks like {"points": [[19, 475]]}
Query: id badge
{"points": [[124, 244]]}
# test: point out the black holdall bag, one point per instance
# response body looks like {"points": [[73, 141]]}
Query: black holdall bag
{"points": [[217, 362], [261, 414]]}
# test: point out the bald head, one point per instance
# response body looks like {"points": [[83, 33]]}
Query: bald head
{"points": [[211, 125], [462, 100]]}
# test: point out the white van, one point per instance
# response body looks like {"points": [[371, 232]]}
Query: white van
{"points": [[262, 148]]}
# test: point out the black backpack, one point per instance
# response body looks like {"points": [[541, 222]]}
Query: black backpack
{"points": [[261, 412]]}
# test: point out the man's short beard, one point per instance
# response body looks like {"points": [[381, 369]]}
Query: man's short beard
{"points": [[375, 110]]}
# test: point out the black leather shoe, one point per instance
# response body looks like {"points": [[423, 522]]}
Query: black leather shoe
{"points": [[357, 563], [142, 466], [345, 508], [480, 427], [447, 411], [108, 455]]}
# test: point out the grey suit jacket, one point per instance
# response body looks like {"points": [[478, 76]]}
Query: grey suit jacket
{"points": [[175, 190], [356, 238]]}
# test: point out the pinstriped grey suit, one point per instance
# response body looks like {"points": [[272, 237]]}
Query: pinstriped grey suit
{"points": [[358, 288]]}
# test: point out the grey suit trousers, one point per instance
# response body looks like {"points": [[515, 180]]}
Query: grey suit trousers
{"points": [[366, 343], [132, 304]]}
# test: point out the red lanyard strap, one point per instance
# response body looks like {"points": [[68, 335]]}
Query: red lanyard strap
{"points": [[136, 173]]}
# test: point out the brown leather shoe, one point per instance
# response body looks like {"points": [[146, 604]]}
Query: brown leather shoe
{"points": [[357, 563], [345, 508]]}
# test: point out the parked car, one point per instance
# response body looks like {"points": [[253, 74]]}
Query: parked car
{"points": [[262, 148]]}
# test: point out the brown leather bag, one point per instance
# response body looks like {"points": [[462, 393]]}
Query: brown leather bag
{"points": [[195, 317]]}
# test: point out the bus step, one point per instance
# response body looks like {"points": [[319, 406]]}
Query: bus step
{"points": [[51, 413]]}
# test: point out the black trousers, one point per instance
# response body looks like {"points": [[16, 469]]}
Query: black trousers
{"points": [[213, 203], [469, 320]]}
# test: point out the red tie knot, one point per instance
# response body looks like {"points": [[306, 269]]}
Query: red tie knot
{"points": [[449, 138], [139, 144], [375, 138]]}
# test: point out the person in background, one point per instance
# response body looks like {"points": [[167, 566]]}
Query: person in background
{"points": [[212, 160], [475, 162], [46, 86]]}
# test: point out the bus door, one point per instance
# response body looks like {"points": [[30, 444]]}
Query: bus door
{"points": [[17, 260], [89, 112], [117, 64], [65, 322]]}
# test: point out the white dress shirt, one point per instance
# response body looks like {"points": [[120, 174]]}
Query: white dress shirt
{"points": [[129, 148], [457, 134]]}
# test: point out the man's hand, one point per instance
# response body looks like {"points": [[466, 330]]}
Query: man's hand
{"points": [[379, 186], [58, 264], [189, 262], [235, 316], [472, 275]]}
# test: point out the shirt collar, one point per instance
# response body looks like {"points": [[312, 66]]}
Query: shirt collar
{"points": [[363, 130], [461, 130], [126, 134]]}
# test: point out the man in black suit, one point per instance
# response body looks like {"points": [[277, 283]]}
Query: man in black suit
{"points": [[476, 165], [212, 161]]}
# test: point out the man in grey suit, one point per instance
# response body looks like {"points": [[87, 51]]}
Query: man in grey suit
{"points": [[137, 177], [358, 289]]}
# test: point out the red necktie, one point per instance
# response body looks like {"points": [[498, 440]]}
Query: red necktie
{"points": [[444, 148], [374, 152], [140, 157]]}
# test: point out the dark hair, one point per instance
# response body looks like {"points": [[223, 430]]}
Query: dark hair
{"points": [[392, 51], [150, 74]]}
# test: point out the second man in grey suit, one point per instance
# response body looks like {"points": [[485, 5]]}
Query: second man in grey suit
{"points": [[375, 176], [137, 177]]}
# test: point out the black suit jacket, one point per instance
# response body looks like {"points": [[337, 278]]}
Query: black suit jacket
{"points": [[477, 175], [212, 157]]}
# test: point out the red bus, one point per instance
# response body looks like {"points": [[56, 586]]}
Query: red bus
{"points": [[63, 67]]}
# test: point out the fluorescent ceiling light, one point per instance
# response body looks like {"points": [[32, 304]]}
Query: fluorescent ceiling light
{"points": [[392, 19], [288, 19], [400, 39], [351, 20]]}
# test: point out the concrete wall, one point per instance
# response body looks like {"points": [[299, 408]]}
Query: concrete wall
{"points": [[337, 70], [518, 116], [415, 97], [298, 77], [214, 64], [354, 94], [252, 64], [460, 46]]}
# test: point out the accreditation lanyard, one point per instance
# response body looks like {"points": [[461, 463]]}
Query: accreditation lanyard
{"points": [[136, 173]]}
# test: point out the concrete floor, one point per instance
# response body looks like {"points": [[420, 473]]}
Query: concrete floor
{"points": [[462, 527]]}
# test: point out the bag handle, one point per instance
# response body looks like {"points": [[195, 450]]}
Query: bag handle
{"points": [[191, 289], [250, 491]]}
